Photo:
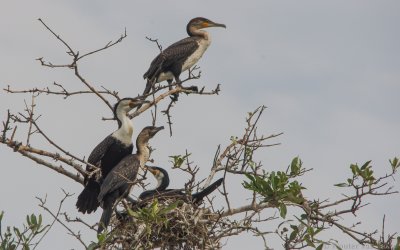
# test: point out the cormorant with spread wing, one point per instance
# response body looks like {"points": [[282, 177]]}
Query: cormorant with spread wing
{"points": [[107, 154], [118, 182], [182, 55], [163, 182]]}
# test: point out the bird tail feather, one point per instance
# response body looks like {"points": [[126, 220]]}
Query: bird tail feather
{"points": [[105, 218], [87, 200], [149, 85]]}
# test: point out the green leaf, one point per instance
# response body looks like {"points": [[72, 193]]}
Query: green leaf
{"points": [[318, 231], [17, 233], [178, 160], [169, 208], [28, 220], [354, 169], [295, 166], [272, 178], [102, 237], [92, 246], [397, 247], [320, 247], [234, 139], [341, 184], [249, 176], [33, 219], [309, 242], [293, 235], [283, 210], [395, 164], [41, 230], [310, 231], [365, 165], [40, 220]]}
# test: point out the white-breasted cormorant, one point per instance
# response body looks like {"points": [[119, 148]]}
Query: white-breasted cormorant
{"points": [[163, 181], [182, 55], [118, 182], [107, 154]]}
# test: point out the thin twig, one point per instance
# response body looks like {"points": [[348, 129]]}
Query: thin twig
{"points": [[55, 216]]}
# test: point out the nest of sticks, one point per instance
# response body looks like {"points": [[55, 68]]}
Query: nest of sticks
{"points": [[166, 223]]}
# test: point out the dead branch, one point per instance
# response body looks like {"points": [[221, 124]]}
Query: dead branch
{"points": [[63, 92], [56, 215]]}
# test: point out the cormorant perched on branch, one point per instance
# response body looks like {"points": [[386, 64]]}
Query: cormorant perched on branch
{"points": [[107, 154], [118, 182], [180, 56], [163, 181]]}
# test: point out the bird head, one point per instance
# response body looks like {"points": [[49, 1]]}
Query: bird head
{"points": [[201, 23], [160, 174], [147, 133], [127, 104]]}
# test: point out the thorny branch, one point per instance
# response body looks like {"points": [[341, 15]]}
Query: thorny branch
{"points": [[211, 222], [63, 92], [75, 58], [31, 119], [56, 216]]}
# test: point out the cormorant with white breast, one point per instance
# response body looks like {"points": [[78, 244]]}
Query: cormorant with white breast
{"points": [[107, 154], [163, 182], [182, 55], [118, 182]]}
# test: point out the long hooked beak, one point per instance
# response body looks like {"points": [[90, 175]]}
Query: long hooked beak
{"points": [[136, 102], [152, 170], [212, 24], [157, 129]]}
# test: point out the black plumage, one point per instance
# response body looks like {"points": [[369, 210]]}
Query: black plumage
{"points": [[107, 154], [180, 56], [117, 185], [161, 190], [118, 182], [172, 59]]}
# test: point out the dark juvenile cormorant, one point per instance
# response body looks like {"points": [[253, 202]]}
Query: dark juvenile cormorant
{"points": [[118, 182], [107, 154], [163, 181], [182, 55]]}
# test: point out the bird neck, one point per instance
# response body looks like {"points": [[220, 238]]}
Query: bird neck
{"points": [[162, 183], [143, 153], [196, 32], [125, 130]]}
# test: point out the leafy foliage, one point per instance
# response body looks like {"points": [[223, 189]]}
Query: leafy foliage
{"points": [[18, 238], [178, 160], [276, 187], [154, 214], [170, 224]]}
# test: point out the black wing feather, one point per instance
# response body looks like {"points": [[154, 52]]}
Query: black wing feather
{"points": [[87, 199], [125, 171], [176, 53], [98, 153]]}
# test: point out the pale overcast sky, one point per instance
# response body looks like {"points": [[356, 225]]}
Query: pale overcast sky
{"points": [[328, 72]]}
